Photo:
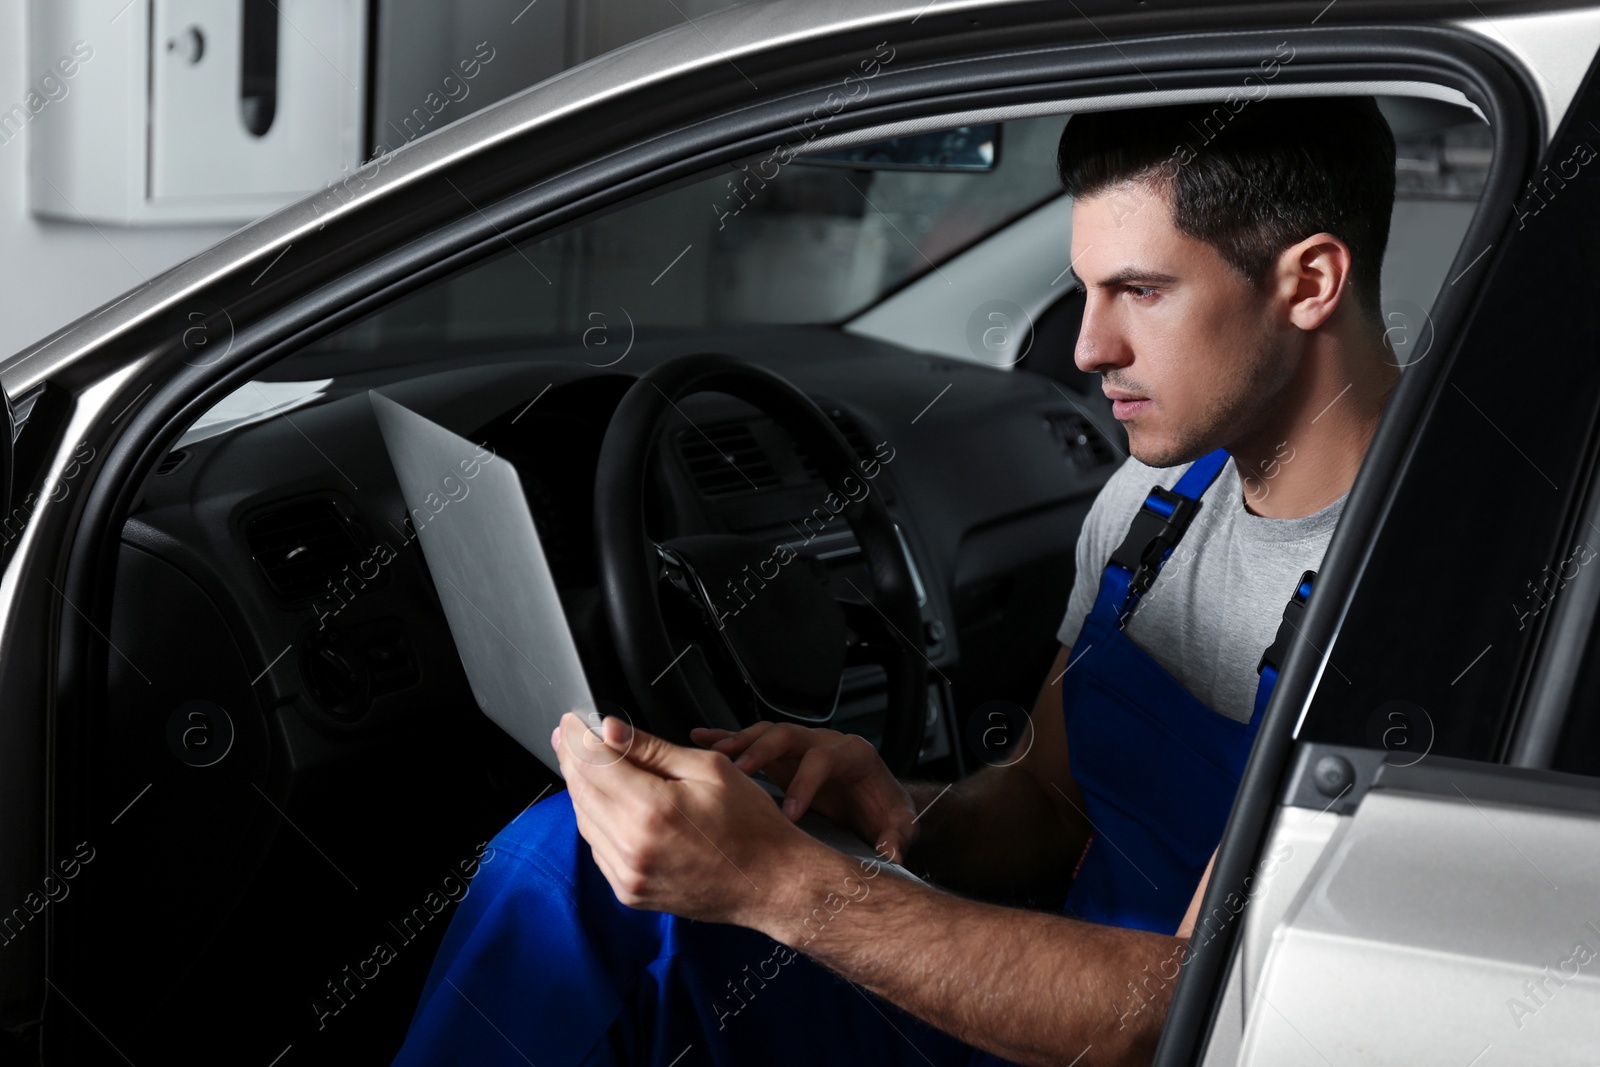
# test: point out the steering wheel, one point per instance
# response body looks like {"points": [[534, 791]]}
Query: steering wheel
{"points": [[767, 609]]}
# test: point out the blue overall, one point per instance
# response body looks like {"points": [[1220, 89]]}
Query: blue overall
{"points": [[541, 963], [1157, 768]]}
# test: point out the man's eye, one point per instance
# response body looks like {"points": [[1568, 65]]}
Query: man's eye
{"points": [[1141, 292]]}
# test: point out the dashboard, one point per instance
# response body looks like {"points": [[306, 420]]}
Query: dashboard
{"points": [[295, 529]]}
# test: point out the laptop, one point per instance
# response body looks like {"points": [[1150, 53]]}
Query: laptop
{"points": [[499, 597], [489, 568]]}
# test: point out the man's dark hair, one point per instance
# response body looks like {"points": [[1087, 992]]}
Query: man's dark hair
{"points": [[1251, 180]]}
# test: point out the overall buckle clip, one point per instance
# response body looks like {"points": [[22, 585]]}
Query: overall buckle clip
{"points": [[1289, 628], [1157, 526]]}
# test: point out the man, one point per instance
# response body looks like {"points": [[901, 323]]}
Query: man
{"points": [[1232, 273]]}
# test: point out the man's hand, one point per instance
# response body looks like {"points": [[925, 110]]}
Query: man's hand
{"points": [[678, 829], [841, 775], [683, 830]]}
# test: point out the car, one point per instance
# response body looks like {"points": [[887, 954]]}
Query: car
{"points": [[690, 288]]}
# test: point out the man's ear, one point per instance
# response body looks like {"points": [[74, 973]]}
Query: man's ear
{"points": [[1315, 273]]}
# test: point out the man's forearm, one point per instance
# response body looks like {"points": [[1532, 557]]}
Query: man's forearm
{"points": [[1031, 987], [994, 835]]}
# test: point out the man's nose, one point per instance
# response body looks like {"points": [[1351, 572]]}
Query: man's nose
{"points": [[1101, 346]]}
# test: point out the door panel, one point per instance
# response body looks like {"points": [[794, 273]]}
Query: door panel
{"points": [[1436, 927], [1298, 840]]}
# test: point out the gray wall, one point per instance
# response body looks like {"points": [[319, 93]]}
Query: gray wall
{"points": [[421, 44], [54, 272]]}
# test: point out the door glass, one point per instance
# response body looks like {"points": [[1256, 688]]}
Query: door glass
{"points": [[762, 243]]}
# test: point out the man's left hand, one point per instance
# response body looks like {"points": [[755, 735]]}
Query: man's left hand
{"points": [[679, 829]]}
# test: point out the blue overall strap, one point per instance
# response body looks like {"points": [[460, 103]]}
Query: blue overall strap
{"points": [[1157, 527], [1272, 658], [1201, 473]]}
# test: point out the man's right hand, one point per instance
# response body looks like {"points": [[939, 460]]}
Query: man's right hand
{"points": [[840, 775]]}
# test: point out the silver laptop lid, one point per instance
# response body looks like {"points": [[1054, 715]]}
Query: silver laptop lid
{"points": [[489, 568]]}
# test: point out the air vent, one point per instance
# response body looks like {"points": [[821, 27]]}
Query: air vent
{"points": [[301, 546], [852, 434], [724, 458], [172, 461], [1079, 440]]}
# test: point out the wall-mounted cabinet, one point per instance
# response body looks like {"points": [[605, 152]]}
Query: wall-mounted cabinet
{"points": [[191, 111]]}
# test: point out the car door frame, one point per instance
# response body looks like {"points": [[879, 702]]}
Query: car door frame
{"points": [[1418, 525]]}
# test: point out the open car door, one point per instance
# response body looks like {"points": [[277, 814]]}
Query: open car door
{"points": [[1408, 876]]}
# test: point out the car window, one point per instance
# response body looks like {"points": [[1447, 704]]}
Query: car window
{"points": [[805, 242], [1438, 648], [764, 242]]}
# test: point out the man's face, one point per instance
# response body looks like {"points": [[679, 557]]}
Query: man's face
{"points": [[1192, 353]]}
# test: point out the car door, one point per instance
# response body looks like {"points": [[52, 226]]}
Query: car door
{"points": [[1409, 874]]}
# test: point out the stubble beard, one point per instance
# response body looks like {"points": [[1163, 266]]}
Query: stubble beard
{"points": [[1237, 413]]}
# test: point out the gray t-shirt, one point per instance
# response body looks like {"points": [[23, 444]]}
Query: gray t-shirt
{"points": [[1220, 596]]}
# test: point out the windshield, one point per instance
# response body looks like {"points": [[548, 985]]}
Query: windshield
{"points": [[798, 243]]}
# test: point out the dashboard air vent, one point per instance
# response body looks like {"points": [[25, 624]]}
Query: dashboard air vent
{"points": [[301, 546], [172, 461], [1079, 440], [725, 457]]}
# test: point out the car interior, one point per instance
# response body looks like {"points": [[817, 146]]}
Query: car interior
{"points": [[290, 837]]}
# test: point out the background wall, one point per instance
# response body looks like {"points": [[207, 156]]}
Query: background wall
{"points": [[53, 272]]}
